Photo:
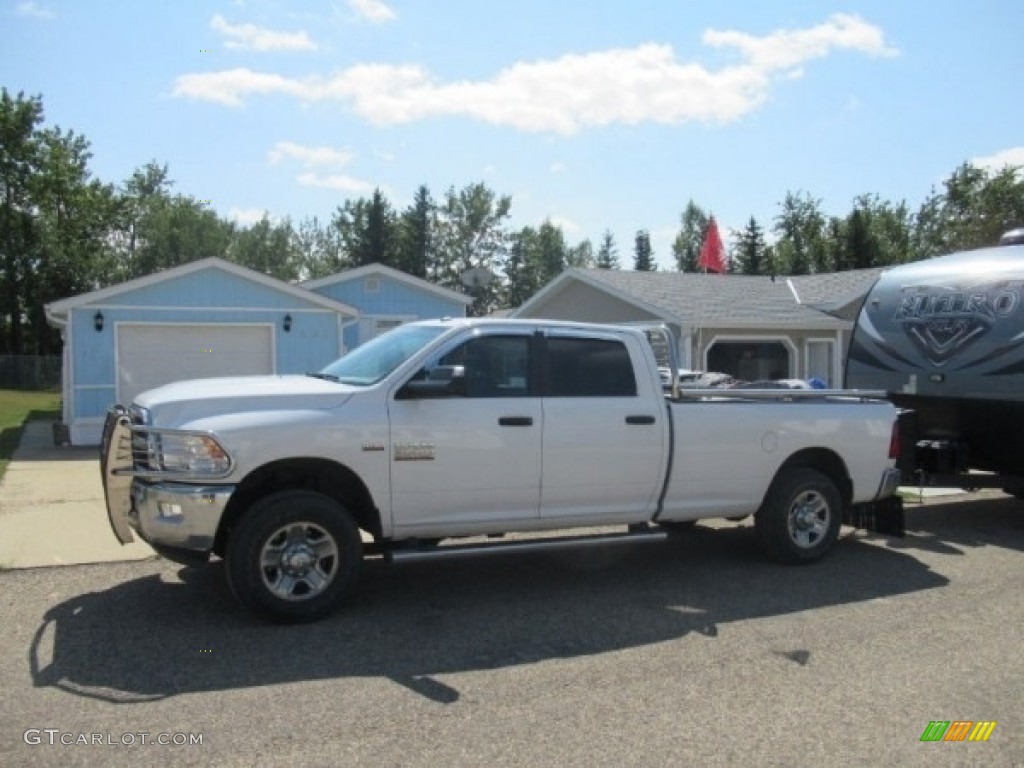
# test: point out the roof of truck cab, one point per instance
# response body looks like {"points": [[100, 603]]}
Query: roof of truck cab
{"points": [[526, 322]]}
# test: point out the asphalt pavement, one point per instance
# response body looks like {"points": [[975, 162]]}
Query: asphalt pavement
{"points": [[694, 651]]}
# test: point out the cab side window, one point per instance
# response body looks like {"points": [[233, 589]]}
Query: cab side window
{"points": [[589, 368], [487, 366]]}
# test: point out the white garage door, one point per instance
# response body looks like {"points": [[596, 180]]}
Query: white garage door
{"points": [[151, 355]]}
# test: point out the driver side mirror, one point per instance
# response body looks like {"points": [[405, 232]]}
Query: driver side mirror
{"points": [[442, 381]]}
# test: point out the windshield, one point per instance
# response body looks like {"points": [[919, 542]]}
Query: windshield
{"points": [[376, 359]]}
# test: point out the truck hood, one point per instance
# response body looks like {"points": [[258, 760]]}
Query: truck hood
{"points": [[184, 402]]}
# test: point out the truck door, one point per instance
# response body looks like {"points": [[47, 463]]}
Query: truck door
{"points": [[466, 449], [605, 437]]}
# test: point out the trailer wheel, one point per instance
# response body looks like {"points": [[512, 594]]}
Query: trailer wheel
{"points": [[293, 556], [800, 517]]}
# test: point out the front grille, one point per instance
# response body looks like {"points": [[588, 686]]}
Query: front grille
{"points": [[140, 450], [132, 447], [140, 438]]}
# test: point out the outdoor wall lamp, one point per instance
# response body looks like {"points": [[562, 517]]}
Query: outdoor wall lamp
{"points": [[97, 321], [287, 323]]}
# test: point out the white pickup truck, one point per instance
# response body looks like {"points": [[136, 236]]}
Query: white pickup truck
{"points": [[449, 429]]}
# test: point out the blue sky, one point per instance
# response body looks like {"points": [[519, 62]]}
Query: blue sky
{"points": [[596, 115]]}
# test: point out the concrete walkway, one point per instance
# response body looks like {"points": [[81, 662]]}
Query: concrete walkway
{"points": [[51, 507]]}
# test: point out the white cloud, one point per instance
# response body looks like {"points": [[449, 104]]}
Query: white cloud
{"points": [[558, 168], [33, 10], [248, 216], [1013, 156], [249, 37], [647, 83], [308, 156], [785, 49], [339, 182], [372, 10], [228, 86], [489, 170], [319, 157]]}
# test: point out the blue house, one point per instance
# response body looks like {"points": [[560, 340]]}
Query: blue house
{"points": [[214, 318], [386, 297]]}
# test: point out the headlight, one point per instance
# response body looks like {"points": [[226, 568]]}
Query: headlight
{"points": [[185, 453]]}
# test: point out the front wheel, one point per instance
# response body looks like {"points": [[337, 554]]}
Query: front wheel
{"points": [[800, 517], [293, 556]]}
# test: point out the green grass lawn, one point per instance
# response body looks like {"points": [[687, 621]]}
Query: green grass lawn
{"points": [[17, 407]]}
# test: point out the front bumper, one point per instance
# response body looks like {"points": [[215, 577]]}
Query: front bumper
{"points": [[164, 514], [178, 516]]}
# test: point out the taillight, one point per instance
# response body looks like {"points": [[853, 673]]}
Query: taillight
{"points": [[894, 441]]}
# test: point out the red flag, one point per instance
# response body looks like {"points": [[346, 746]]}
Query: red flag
{"points": [[712, 253]]}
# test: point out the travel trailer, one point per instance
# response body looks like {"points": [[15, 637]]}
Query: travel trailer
{"points": [[944, 337]]}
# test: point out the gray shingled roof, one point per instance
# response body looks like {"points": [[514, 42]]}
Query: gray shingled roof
{"points": [[739, 300], [832, 290]]}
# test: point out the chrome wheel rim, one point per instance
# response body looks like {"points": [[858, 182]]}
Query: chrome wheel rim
{"points": [[299, 561], [808, 520]]}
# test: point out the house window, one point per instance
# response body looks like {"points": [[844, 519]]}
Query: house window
{"points": [[750, 360]]}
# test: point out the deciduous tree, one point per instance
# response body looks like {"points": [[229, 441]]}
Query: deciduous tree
{"points": [[473, 237], [687, 244]]}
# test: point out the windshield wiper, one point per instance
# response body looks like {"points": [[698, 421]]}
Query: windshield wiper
{"points": [[324, 376]]}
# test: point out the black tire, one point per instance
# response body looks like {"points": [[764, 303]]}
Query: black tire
{"points": [[323, 549], [801, 515]]}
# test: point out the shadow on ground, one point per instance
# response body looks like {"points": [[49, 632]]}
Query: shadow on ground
{"points": [[180, 631], [41, 446], [990, 519]]}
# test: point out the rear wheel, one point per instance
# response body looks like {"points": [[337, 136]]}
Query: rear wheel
{"points": [[800, 517], [293, 556]]}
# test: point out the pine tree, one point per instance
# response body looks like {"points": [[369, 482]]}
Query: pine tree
{"points": [[417, 234], [644, 257], [750, 250], [607, 254]]}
